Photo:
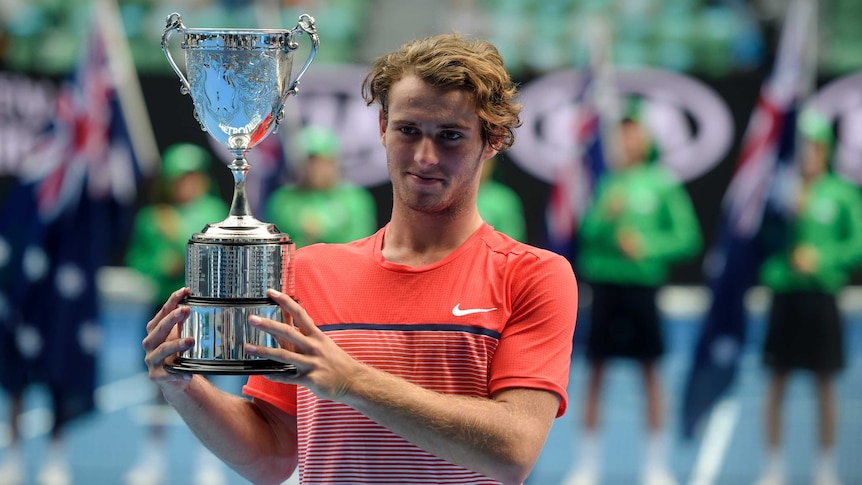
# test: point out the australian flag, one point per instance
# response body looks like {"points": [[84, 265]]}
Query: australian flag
{"points": [[753, 219], [61, 222], [575, 180]]}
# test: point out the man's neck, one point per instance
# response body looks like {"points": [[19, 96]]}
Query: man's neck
{"points": [[422, 239]]}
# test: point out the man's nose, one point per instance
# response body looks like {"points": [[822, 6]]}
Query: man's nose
{"points": [[426, 152]]}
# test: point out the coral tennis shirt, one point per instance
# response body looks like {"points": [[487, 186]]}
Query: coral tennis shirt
{"points": [[494, 314]]}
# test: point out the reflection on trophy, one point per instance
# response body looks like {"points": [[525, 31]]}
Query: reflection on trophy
{"points": [[239, 81]]}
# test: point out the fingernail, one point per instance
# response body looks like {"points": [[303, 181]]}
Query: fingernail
{"points": [[254, 319]]}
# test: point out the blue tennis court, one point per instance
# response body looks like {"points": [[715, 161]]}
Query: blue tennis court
{"points": [[104, 446]]}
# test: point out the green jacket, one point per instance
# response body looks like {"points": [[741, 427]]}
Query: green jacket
{"points": [[652, 204], [342, 214], [160, 235], [501, 208], [830, 221]]}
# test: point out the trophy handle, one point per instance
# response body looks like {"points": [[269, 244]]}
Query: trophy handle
{"points": [[306, 24], [174, 22]]}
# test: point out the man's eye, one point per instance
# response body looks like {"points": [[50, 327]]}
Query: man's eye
{"points": [[451, 135], [407, 130]]}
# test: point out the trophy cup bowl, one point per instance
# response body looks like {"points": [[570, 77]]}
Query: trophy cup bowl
{"points": [[239, 81]]}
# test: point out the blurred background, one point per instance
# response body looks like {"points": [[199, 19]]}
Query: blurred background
{"points": [[88, 103]]}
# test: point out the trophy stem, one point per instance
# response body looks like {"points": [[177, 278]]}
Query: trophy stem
{"points": [[239, 206]]}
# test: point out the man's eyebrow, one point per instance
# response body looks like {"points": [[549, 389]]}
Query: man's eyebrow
{"points": [[459, 126], [445, 126]]}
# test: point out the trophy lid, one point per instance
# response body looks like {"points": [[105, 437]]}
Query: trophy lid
{"points": [[241, 230]]}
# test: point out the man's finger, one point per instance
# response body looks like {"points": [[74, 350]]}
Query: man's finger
{"points": [[174, 300]]}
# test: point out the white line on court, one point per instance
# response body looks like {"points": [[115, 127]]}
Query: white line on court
{"points": [[716, 439], [124, 393]]}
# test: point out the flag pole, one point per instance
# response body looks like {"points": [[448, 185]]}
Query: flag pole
{"points": [[605, 95], [124, 74]]}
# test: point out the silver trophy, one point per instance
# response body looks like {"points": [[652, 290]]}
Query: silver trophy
{"points": [[239, 81]]}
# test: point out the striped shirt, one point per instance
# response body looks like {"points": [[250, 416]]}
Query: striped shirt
{"points": [[492, 315]]}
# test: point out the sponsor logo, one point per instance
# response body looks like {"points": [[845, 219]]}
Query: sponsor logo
{"points": [[690, 122], [460, 312]]}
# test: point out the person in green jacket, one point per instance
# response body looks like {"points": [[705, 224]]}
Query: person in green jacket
{"points": [[804, 329], [640, 222], [162, 229], [499, 205], [185, 204], [322, 207]]}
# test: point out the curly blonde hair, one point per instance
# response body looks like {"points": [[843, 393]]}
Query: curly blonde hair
{"points": [[451, 61]]}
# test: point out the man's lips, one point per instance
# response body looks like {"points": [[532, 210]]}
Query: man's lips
{"points": [[425, 177]]}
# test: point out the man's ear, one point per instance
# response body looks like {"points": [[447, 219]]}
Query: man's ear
{"points": [[381, 119], [489, 152]]}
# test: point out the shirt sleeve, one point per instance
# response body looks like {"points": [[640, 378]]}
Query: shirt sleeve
{"points": [[535, 348], [282, 396]]}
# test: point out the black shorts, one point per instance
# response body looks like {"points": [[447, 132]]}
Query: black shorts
{"points": [[624, 323], [804, 332]]}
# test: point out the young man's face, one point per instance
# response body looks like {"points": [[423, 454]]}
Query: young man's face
{"points": [[814, 159], [321, 172], [635, 142], [189, 186], [434, 146]]}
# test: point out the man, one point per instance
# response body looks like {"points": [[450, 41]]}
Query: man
{"points": [[804, 333], [641, 222], [322, 207], [434, 351]]}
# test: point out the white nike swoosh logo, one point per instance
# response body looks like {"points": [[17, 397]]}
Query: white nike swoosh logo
{"points": [[458, 312]]}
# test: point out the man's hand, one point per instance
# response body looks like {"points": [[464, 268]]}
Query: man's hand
{"points": [[322, 366], [630, 243], [163, 342], [805, 259]]}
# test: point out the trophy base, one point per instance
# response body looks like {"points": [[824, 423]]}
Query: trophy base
{"points": [[228, 367]]}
